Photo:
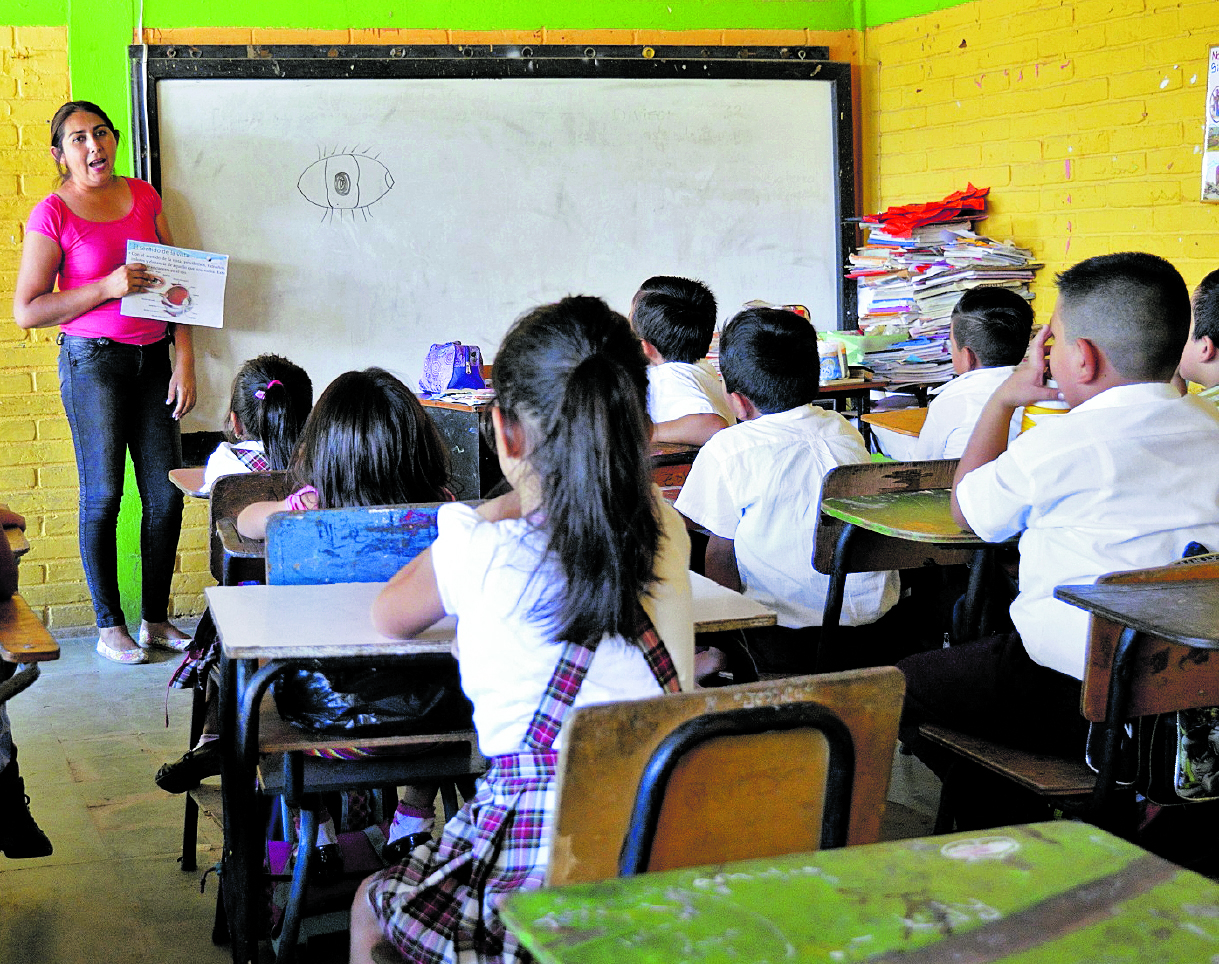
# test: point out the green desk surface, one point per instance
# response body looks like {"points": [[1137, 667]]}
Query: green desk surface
{"points": [[1051, 893], [924, 515]]}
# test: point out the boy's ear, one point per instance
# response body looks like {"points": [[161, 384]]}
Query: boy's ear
{"points": [[650, 353], [971, 358], [1207, 351], [1090, 361], [742, 407]]}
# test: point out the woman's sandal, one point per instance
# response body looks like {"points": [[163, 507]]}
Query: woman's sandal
{"points": [[128, 657], [148, 639]]}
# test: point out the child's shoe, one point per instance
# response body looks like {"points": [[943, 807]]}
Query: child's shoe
{"points": [[20, 836], [410, 827]]}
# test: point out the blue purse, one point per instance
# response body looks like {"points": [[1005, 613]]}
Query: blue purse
{"points": [[451, 365]]}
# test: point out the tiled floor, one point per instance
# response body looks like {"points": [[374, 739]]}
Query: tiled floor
{"points": [[91, 734]]}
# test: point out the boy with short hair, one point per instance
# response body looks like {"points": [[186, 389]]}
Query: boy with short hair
{"points": [[1200, 359], [1125, 480], [675, 320], [990, 333], [756, 487]]}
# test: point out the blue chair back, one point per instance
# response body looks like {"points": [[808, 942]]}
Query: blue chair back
{"points": [[365, 544]]}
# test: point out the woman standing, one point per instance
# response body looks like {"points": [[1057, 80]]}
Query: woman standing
{"points": [[119, 389]]}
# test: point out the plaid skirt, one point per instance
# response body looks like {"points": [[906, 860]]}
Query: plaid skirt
{"points": [[440, 905]]}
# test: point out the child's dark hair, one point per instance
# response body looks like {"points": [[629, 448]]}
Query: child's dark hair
{"points": [[770, 356], [271, 398], [368, 441], [995, 323], [573, 377], [1206, 308], [1131, 305], [677, 315]]}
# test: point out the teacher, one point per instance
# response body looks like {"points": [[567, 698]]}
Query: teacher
{"points": [[119, 389]]}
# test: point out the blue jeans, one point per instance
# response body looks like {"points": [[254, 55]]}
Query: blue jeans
{"points": [[114, 397]]}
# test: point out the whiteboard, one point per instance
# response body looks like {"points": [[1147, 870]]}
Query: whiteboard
{"points": [[365, 219]]}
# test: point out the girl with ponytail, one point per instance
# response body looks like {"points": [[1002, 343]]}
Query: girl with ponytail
{"points": [[270, 401], [571, 589]]}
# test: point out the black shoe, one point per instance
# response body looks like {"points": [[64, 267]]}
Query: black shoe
{"points": [[20, 836], [189, 770], [397, 851]]}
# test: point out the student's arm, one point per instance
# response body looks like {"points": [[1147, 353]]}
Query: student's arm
{"points": [[410, 602], [1024, 386], [252, 520], [689, 429], [720, 564]]}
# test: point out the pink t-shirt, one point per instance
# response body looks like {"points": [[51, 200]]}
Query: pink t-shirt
{"points": [[93, 249]]}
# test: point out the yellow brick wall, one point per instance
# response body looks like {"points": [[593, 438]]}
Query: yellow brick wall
{"points": [[1085, 119]]}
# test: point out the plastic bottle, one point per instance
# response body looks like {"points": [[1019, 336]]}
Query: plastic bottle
{"points": [[833, 360]]}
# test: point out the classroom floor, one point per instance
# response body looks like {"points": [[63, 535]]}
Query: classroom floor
{"points": [[91, 734]]}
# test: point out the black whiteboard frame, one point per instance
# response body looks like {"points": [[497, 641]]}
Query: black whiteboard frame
{"points": [[150, 64]]}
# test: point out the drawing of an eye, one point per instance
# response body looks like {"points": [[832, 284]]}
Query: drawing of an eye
{"points": [[345, 181]]}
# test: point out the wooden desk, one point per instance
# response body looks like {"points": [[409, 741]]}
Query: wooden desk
{"points": [[1051, 892], [474, 463], [284, 623], [924, 515], [903, 421], [189, 481]]}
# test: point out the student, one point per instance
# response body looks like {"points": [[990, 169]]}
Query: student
{"points": [[1200, 359], [556, 587], [756, 488], [675, 321], [1125, 480], [268, 405], [20, 835], [368, 441], [990, 334]]}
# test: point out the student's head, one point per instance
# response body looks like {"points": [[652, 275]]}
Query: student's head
{"points": [[1132, 308], [990, 327], [368, 441], [1200, 358], [770, 356], [270, 401], [571, 403], [676, 316], [75, 127]]}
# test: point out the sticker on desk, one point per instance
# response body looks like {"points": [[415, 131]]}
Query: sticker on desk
{"points": [[980, 848]]}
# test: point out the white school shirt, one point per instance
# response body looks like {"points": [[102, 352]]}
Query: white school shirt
{"points": [[1124, 480], [759, 484], [954, 412], [485, 573], [224, 461], [677, 389]]}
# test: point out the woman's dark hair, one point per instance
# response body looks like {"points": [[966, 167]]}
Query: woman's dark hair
{"points": [[368, 441], [271, 399], [573, 377], [61, 118]]}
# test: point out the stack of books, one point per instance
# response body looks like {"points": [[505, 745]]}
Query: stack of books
{"points": [[910, 279]]}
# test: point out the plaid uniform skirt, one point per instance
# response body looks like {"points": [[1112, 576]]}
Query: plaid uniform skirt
{"points": [[440, 905]]}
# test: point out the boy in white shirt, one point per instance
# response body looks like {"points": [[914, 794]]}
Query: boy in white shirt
{"points": [[675, 321], [756, 487], [1200, 359], [1125, 480], [990, 334]]}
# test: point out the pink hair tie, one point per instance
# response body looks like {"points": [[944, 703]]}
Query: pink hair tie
{"points": [[262, 392]]}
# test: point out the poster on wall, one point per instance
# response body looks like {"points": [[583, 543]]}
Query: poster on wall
{"points": [[1210, 153]]}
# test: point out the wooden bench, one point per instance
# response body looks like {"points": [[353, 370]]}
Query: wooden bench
{"points": [[23, 640]]}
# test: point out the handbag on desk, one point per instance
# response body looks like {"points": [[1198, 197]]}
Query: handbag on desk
{"points": [[452, 365]]}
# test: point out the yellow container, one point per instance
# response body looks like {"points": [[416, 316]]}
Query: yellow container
{"points": [[1035, 413]]}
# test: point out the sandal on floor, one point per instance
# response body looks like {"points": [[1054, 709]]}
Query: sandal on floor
{"points": [[149, 639], [126, 656]]}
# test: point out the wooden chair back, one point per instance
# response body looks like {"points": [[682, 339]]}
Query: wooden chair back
{"points": [[746, 796], [231, 494], [871, 551]]}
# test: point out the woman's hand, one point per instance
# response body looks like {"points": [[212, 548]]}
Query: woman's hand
{"points": [[129, 279], [182, 394]]}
